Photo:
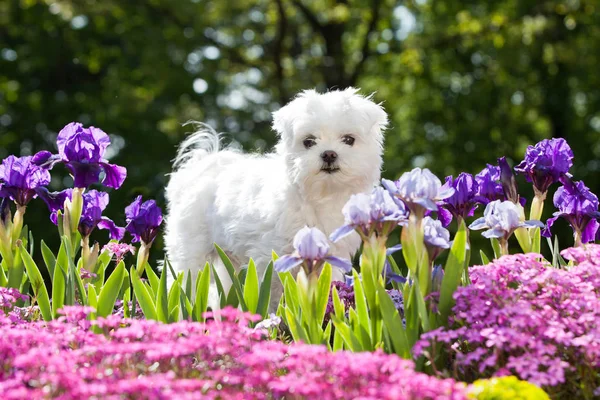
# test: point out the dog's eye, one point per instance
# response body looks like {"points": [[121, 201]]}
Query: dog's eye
{"points": [[309, 142], [349, 140]]}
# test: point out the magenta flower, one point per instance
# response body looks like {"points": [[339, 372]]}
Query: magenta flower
{"points": [[546, 162], [82, 151], [578, 205], [463, 202], [118, 250], [94, 203], [20, 179], [311, 251], [522, 317], [371, 213], [143, 220]]}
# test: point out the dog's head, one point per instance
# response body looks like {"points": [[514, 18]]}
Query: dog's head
{"points": [[332, 140]]}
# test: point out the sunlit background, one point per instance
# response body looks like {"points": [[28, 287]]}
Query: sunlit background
{"points": [[464, 82]]}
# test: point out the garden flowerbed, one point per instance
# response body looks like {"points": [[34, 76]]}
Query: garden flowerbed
{"points": [[101, 326]]}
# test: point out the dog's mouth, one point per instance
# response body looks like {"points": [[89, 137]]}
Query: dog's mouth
{"points": [[330, 169]]}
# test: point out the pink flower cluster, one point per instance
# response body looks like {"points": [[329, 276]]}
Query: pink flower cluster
{"points": [[221, 358], [523, 317]]}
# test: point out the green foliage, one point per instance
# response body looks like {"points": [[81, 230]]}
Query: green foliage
{"points": [[481, 79], [506, 388]]}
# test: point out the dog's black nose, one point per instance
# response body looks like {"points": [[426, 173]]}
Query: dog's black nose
{"points": [[329, 156]]}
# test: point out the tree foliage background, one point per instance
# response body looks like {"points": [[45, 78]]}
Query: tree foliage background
{"points": [[464, 82]]}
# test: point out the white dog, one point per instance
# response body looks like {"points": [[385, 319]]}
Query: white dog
{"points": [[330, 147]]}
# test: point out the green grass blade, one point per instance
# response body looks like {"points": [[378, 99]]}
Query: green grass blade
{"points": [[38, 286]]}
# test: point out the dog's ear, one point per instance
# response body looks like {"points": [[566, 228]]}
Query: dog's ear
{"points": [[373, 113], [283, 119]]}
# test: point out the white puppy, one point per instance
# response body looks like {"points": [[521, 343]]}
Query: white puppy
{"points": [[330, 147]]}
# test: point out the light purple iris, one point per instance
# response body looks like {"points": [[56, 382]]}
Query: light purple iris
{"points": [[434, 234], [143, 220], [20, 178], [501, 219], [419, 189], [578, 205], [82, 151], [437, 276], [94, 203], [371, 213], [311, 251], [463, 202], [546, 162]]}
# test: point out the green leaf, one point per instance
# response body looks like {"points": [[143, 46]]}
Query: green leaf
{"points": [[234, 279], [323, 288], [346, 333], [152, 278], [38, 286], [220, 289], [143, 297], [162, 299], [92, 297], [393, 324], [58, 290], [49, 258], [174, 299], [496, 247], [296, 328], [421, 306], [453, 272], [110, 291], [264, 296], [188, 285], [202, 291], [360, 301], [484, 259], [251, 287]]}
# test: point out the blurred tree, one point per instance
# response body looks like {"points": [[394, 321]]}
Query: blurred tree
{"points": [[464, 82]]}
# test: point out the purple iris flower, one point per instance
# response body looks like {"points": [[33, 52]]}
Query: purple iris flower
{"points": [[143, 220], [82, 151], [463, 202], [419, 189], [489, 186], [311, 251], [437, 276], [578, 205], [20, 178], [94, 203], [501, 219], [367, 213], [546, 162]]}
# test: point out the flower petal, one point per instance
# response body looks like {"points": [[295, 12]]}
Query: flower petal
{"points": [[393, 249], [286, 263], [478, 224], [493, 233], [390, 186], [533, 224], [444, 216], [341, 232], [344, 265], [116, 232], [444, 193], [115, 175]]}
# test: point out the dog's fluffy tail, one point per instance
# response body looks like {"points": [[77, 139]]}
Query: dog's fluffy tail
{"points": [[204, 140]]}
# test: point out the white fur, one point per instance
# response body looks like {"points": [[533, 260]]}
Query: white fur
{"points": [[252, 204]]}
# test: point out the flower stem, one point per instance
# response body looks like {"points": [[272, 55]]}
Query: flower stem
{"points": [[76, 208], [503, 246], [537, 205], [17, 225]]}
